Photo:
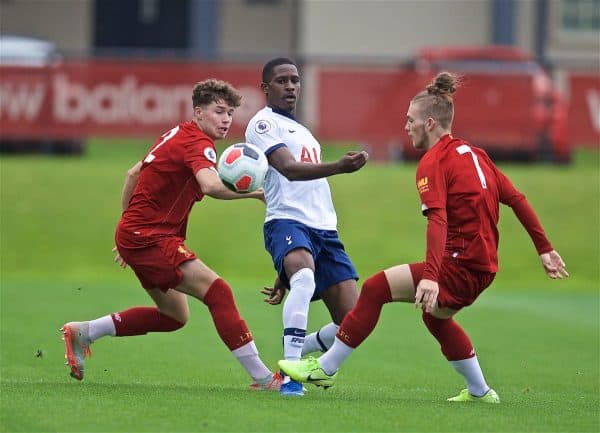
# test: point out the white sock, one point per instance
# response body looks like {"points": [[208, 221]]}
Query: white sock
{"points": [[321, 340], [101, 327], [247, 355], [295, 312], [469, 368], [331, 360]]}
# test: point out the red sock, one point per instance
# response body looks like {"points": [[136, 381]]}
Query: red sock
{"points": [[360, 322], [230, 326], [453, 339], [141, 320]]}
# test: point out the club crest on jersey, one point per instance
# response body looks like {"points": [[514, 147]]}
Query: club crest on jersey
{"points": [[181, 250], [210, 154], [262, 126], [423, 185]]}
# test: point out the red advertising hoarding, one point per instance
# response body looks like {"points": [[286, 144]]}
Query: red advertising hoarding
{"points": [[584, 109], [113, 98], [143, 99]]}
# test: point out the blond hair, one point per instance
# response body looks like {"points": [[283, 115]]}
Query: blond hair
{"points": [[436, 100]]}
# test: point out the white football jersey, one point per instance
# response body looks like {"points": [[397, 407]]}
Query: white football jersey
{"points": [[305, 201]]}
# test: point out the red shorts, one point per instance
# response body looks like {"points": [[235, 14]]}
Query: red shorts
{"points": [[155, 261], [459, 286]]}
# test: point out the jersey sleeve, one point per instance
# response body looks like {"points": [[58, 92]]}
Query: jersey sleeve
{"points": [[199, 154], [265, 134], [507, 193], [431, 185], [437, 230], [512, 197]]}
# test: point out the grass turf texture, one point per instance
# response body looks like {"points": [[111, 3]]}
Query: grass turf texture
{"points": [[538, 340]]}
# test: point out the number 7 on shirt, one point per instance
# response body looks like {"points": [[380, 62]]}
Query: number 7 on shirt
{"points": [[467, 149]]}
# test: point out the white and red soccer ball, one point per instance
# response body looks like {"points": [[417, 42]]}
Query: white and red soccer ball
{"points": [[242, 167]]}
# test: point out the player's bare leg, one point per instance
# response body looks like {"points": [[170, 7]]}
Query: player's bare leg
{"points": [[171, 303], [204, 284], [171, 313]]}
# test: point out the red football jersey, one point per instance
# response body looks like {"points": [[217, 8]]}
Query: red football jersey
{"points": [[167, 187], [462, 180]]}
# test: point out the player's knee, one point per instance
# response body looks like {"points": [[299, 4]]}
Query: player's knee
{"points": [[432, 323], [173, 321], [177, 311], [178, 325], [303, 281], [376, 289], [219, 293], [181, 318]]}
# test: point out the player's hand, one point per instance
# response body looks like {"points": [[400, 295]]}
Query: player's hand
{"points": [[353, 161], [118, 259], [260, 195], [426, 295], [553, 265], [274, 294]]}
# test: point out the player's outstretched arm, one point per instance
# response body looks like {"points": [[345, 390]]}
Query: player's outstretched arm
{"points": [[554, 265], [283, 161], [130, 182], [211, 185]]}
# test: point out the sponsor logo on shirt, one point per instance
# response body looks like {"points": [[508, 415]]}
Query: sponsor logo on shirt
{"points": [[262, 126], [423, 185]]}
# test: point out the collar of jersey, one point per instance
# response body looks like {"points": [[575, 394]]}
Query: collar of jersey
{"points": [[284, 113]]}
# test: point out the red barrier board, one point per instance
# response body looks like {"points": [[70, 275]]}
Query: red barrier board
{"points": [[584, 109], [143, 99], [371, 105], [113, 98]]}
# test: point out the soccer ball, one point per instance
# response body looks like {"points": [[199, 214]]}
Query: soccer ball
{"points": [[242, 167]]}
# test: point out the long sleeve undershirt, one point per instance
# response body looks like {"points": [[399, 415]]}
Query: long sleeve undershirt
{"points": [[437, 228], [531, 223]]}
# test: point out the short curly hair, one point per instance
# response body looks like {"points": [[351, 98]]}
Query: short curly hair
{"points": [[213, 90]]}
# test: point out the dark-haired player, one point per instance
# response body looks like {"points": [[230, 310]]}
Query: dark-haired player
{"points": [[301, 224]]}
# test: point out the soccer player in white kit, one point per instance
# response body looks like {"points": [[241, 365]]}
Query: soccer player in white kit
{"points": [[300, 225]]}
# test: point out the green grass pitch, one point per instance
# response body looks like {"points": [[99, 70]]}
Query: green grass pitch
{"points": [[537, 339]]}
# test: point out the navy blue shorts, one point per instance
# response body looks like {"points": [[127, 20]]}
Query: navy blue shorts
{"points": [[332, 264]]}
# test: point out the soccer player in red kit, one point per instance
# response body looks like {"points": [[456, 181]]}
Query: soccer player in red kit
{"points": [[460, 190], [157, 198]]}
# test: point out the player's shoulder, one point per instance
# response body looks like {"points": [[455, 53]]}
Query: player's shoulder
{"points": [[263, 121], [478, 151], [190, 137], [429, 157], [460, 146], [437, 158]]}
